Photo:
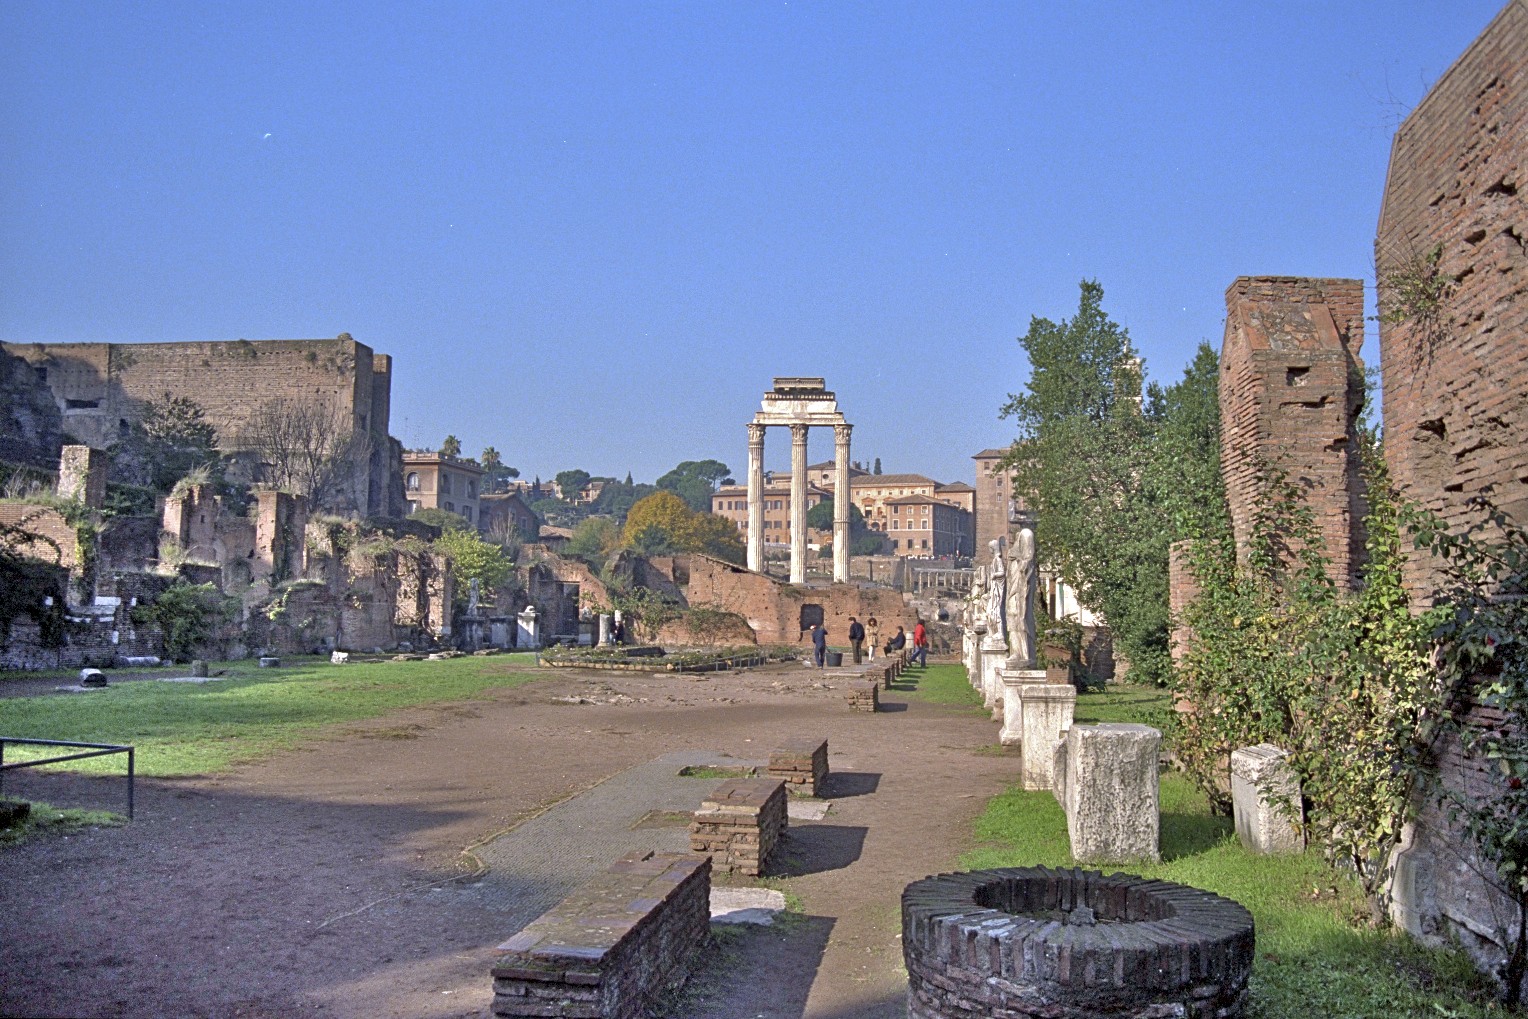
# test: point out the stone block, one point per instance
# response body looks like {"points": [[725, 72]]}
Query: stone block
{"points": [[270, 662], [862, 695], [994, 654], [199, 667], [92, 678], [740, 823], [802, 764], [613, 946], [1012, 733], [1113, 801], [1265, 795], [1045, 715]]}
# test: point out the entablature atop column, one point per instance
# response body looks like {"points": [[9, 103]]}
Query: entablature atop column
{"points": [[799, 401]]}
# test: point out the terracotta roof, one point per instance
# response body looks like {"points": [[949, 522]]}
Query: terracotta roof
{"points": [[907, 500], [954, 486], [874, 480], [990, 454]]}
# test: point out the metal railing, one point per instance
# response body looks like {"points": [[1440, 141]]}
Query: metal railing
{"points": [[92, 750]]}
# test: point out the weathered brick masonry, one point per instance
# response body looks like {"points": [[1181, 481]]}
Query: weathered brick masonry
{"points": [[101, 389], [611, 947], [1452, 235], [1291, 385]]}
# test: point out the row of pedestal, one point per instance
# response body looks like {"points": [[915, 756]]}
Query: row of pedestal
{"points": [[1106, 776]]}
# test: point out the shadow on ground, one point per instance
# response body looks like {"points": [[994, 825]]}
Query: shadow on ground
{"points": [[815, 848], [790, 951], [842, 784]]}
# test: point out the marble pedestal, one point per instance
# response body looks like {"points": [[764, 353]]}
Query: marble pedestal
{"points": [[1013, 704], [1045, 716], [994, 654]]}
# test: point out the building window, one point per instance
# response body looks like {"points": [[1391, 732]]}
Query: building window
{"points": [[467, 513], [445, 482], [925, 543], [471, 491], [412, 482]]}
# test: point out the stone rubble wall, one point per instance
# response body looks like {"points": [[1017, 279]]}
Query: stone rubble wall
{"points": [[802, 764]]}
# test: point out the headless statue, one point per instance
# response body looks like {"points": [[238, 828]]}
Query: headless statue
{"points": [[1023, 583]]}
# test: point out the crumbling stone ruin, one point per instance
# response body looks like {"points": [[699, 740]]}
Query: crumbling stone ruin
{"points": [[1453, 277], [98, 392], [1291, 386]]}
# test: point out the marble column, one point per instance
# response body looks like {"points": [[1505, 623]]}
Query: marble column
{"points": [[756, 497], [841, 503], [798, 504]]}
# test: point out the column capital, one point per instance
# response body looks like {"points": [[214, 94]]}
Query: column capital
{"points": [[755, 434], [841, 432], [798, 433]]}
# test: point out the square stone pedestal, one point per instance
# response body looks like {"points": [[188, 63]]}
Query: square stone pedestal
{"points": [[1045, 715], [1111, 793], [994, 658], [1012, 733], [1265, 796]]}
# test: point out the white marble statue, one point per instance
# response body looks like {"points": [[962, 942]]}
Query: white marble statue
{"points": [[996, 584], [1023, 583]]}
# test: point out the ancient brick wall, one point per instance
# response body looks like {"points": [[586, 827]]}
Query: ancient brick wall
{"points": [[1453, 273], [1291, 385], [31, 427], [773, 608], [1182, 589], [101, 389], [993, 494], [82, 475], [49, 525], [1453, 225]]}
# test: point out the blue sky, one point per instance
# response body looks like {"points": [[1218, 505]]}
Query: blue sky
{"points": [[590, 234]]}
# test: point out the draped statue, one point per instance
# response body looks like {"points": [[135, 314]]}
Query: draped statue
{"points": [[1023, 583], [996, 581]]}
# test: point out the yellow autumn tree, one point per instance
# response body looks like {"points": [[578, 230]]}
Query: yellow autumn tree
{"points": [[663, 523]]}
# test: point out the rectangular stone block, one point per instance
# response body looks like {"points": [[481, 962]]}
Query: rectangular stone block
{"points": [[862, 695], [1012, 733], [740, 823], [612, 946], [1046, 714], [802, 764], [1112, 793], [1265, 797]]}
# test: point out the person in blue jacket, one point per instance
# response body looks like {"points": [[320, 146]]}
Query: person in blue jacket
{"points": [[820, 644]]}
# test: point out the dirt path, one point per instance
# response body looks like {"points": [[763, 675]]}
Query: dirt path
{"points": [[331, 881]]}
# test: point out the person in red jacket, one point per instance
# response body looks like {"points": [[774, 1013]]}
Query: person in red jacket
{"points": [[920, 646]]}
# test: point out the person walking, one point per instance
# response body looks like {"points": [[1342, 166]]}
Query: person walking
{"points": [[872, 636], [820, 644], [857, 639], [920, 645]]}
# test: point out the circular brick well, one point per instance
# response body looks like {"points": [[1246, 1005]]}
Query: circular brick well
{"points": [[1036, 943]]}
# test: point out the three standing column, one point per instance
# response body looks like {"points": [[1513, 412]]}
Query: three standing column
{"points": [[798, 504], [756, 497], [841, 503]]}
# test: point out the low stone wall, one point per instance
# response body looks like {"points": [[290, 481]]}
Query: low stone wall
{"points": [[802, 764], [862, 695], [607, 950], [1035, 943], [739, 825]]}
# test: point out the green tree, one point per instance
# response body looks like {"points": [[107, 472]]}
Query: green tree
{"points": [[472, 558], [695, 480], [498, 472], [451, 447], [877, 468], [444, 519], [188, 614], [1080, 465], [594, 540], [176, 439], [570, 483]]}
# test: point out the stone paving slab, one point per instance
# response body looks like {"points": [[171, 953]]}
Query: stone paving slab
{"points": [[538, 863]]}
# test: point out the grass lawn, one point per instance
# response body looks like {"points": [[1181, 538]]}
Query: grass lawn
{"points": [[196, 728], [1316, 955]]}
